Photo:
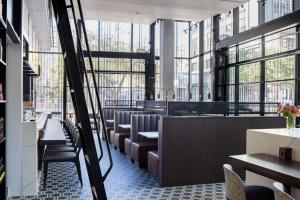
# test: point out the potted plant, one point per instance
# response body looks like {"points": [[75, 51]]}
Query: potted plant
{"points": [[290, 112]]}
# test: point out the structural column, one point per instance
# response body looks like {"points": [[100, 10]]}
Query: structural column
{"points": [[14, 109], [167, 56]]}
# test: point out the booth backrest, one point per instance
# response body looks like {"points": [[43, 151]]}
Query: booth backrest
{"points": [[143, 123], [123, 117], [108, 114]]}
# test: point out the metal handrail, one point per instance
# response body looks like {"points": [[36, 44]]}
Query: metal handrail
{"points": [[88, 84], [96, 89]]}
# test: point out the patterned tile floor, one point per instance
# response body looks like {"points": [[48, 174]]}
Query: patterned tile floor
{"points": [[125, 182]]}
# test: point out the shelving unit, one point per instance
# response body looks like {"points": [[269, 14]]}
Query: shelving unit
{"points": [[10, 32]]}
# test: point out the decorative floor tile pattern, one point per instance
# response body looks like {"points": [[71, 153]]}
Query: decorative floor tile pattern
{"points": [[125, 182]]}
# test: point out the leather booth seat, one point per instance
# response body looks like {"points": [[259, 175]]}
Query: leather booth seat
{"points": [[137, 146], [139, 151], [108, 130], [128, 146], [111, 136], [153, 163], [119, 134], [119, 140]]}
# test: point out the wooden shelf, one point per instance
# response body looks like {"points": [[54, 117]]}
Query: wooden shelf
{"points": [[11, 33]]}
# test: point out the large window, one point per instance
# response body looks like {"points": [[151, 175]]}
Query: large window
{"points": [[118, 79], [249, 88], [49, 85], [280, 80], [280, 42], [115, 36], [250, 50], [248, 15], [181, 71], [226, 25], [277, 8]]}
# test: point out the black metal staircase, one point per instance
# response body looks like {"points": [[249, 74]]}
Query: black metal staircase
{"points": [[77, 74]]}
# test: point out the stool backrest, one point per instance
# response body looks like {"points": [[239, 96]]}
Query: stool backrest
{"points": [[77, 140], [143, 123], [234, 186], [280, 193]]}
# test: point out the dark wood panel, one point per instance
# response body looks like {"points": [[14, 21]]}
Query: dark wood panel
{"points": [[192, 150], [287, 172]]}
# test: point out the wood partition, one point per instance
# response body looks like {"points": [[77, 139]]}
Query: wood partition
{"points": [[192, 150]]}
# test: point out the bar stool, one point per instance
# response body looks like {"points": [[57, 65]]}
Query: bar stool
{"points": [[279, 192], [236, 190]]}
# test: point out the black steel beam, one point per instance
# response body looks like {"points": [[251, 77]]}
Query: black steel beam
{"points": [[264, 58], [262, 78], [276, 24], [124, 55], [297, 70], [236, 22], [201, 59], [150, 67], [216, 36]]}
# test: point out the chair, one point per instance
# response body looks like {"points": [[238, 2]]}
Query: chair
{"points": [[236, 190], [64, 157], [279, 192]]}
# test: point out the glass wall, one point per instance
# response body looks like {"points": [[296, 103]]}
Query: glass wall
{"points": [[182, 54], [49, 85], [248, 15], [226, 25], [277, 8], [118, 79]]}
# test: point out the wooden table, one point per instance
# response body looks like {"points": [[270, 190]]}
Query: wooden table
{"points": [[53, 133], [150, 135], [286, 172], [125, 126]]}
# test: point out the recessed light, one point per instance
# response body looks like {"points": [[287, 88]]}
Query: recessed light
{"points": [[137, 13]]}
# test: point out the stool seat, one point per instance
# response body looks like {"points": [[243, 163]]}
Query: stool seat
{"points": [[255, 192]]}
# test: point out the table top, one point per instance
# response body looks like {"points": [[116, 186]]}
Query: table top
{"points": [[287, 172], [41, 121], [53, 133], [110, 121], [125, 126], [151, 135], [294, 133]]}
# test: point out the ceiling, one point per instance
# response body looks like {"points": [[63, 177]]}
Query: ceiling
{"points": [[147, 11], [38, 14]]}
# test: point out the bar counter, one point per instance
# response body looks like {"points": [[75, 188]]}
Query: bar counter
{"points": [[268, 141]]}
